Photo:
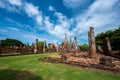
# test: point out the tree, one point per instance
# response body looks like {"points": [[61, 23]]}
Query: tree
{"points": [[114, 36], [99, 39], [11, 42], [41, 44], [84, 47]]}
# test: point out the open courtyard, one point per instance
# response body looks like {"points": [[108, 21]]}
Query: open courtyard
{"points": [[28, 67]]}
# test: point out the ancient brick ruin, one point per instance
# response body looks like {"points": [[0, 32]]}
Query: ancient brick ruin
{"points": [[36, 46], [68, 46], [91, 39], [71, 54], [107, 47]]}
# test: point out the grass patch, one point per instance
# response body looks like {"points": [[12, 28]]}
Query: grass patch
{"points": [[28, 67]]}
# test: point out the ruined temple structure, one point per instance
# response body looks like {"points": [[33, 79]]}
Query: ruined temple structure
{"points": [[107, 47], [57, 47], [44, 47], [68, 46], [36, 46], [51, 47], [65, 44], [92, 46], [68, 54]]}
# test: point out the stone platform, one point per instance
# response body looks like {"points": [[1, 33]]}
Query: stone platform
{"points": [[83, 60]]}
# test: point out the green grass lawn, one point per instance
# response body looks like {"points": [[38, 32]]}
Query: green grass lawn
{"points": [[27, 67]]}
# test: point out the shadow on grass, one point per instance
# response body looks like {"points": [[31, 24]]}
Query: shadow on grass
{"points": [[9, 74]]}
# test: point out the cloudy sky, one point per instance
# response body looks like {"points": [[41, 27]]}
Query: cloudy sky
{"points": [[49, 20]]}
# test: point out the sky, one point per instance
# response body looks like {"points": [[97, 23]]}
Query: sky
{"points": [[50, 20]]}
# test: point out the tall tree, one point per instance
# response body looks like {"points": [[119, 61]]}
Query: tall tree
{"points": [[114, 36], [84, 47], [11, 42], [41, 44]]}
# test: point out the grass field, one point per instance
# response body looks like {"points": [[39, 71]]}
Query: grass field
{"points": [[27, 67]]}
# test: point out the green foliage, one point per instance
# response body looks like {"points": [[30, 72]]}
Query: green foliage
{"points": [[114, 36], [84, 47], [41, 44], [99, 39], [11, 42], [28, 67]]}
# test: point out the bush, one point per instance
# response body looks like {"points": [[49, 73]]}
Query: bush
{"points": [[84, 47]]}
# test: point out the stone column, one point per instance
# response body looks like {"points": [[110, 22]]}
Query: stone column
{"points": [[75, 42], [71, 45], [107, 46], [21, 47], [36, 46], [75, 45], [89, 43], [44, 47], [65, 44], [57, 47], [92, 42]]}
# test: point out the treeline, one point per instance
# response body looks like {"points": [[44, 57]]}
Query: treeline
{"points": [[14, 42], [114, 36], [83, 47], [11, 42]]}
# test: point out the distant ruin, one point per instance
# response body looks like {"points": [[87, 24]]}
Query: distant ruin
{"points": [[68, 46], [72, 55]]}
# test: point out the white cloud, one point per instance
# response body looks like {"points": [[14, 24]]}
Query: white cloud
{"points": [[98, 16], [62, 20], [101, 14], [13, 28], [3, 30], [102, 6], [39, 19], [31, 10], [60, 27], [2, 5], [74, 3], [59, 31], [10, 8], [15, 2], [50, 8], [48, 24], [31, 36]]}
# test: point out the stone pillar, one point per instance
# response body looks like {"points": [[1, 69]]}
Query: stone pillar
{"points": [[62, 47], [21, 47], [65, 41], [65, 44], [107, 46], [75, 45], [75, 42], [57, 47], [92, 45], [36, 46], [71, 45], [44, 47], [89, 42]]}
